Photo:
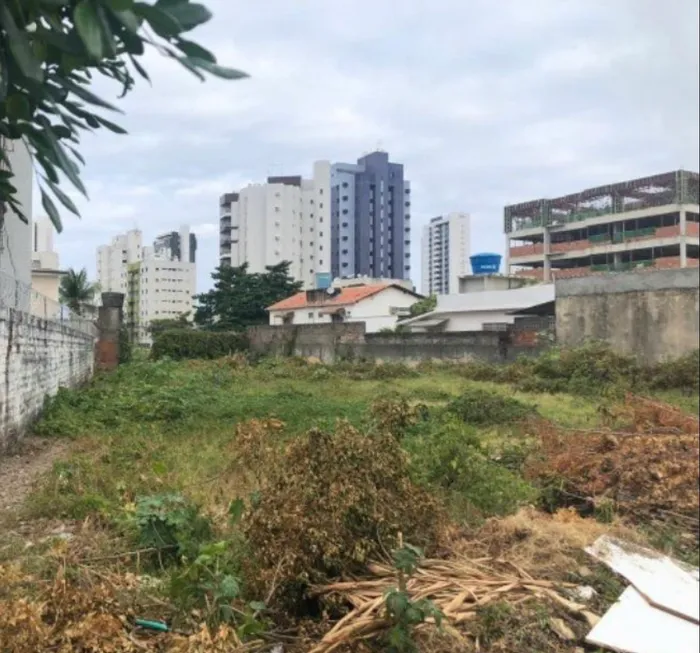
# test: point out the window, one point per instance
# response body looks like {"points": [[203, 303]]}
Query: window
{"points": [[311, 315], [345, 211], [345, 198], [345, 251], [345, 184], [345, 265], [345, 224]]}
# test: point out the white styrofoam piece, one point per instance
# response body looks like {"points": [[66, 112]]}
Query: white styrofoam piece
{"points": [[663, 582], [634, 626]]}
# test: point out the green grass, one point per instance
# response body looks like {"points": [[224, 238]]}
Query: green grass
{"points": [[171, 425]]}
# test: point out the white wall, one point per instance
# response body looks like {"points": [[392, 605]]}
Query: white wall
{"points": [[41, 356], [475, 321], [16, 236], [375, 311]]}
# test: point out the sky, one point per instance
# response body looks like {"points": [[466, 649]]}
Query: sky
{"points": [[485, 103]]}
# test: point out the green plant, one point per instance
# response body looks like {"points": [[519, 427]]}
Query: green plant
{"points": [[403, 613], [484, 408], [193, 343], [53, 50], [449, 457], [76, 291], [125, 346], [396, 415], [169, 524]]}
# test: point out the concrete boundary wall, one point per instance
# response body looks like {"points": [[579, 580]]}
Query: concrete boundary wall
{"points": [[652, 315], [329, 342], [37, 357]]}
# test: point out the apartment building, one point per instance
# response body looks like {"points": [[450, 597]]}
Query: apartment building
{"points": [[649, 222], [159, 281], [46, 275], [445, 252], [370, 218], [285, 219]]}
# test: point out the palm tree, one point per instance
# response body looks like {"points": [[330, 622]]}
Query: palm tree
{"points": [[76, 291]]}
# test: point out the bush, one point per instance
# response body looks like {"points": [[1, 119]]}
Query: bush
{"points": [[484, 408], [191, 343], [332, 503], [450, 459], [682, 373]]}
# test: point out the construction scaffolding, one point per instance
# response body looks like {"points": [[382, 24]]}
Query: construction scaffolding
{"points": [[679, 187]]}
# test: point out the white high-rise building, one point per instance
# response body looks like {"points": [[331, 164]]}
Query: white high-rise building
{"points": [[445, 253], [285, 219], [159, 282]]}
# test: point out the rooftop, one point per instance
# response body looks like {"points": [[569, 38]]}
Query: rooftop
{"points": [[343, 297]]}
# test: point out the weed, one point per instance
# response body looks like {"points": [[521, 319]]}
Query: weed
{"points": [[451, 459], [403, 613], [397, 415], [168, 524], [483, 408]]}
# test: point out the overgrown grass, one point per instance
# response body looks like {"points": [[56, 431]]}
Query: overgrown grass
{"points": [[162, 445]]}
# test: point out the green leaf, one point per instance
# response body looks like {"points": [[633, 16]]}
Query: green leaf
{"points": [[159, 468], [84, 94], [17, 107], [195, 50], [188, 14], [20, 47], [257, 606], [63, 198], [87, 23], [129, 19], [120, 5], [51, 211], [229, 587], [111, 126], [162, 22], [215, 69], [139, 69], [235, 510]]}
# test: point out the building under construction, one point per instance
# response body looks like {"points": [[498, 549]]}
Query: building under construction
{"points": [[649, 222]]}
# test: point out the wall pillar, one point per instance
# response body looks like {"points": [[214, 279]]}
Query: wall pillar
{"points": [[547, 250], [109, 324], [684, 246]]}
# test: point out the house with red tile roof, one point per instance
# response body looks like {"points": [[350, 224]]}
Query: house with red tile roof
{"points": [[379, 306]]}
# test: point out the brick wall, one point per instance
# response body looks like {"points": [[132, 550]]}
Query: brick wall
{"points": [[37, 357]]}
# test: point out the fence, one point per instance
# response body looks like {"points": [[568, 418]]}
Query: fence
{"points": [[20, 296]]}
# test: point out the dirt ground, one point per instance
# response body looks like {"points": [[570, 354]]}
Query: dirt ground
{"points": [[18, 471]]}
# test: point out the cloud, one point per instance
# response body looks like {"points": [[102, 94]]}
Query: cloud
{"points": [[485, 104]]}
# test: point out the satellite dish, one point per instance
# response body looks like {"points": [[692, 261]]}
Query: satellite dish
{"points": [[330, 290]]}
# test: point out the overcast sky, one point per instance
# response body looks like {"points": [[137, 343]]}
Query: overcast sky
{"points": [[485, 103]]}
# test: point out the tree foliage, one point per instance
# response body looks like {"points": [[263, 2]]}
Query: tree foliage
{"points": [[239, 298], [425, 305], [168, 324], [51, 53], [76, 291]]}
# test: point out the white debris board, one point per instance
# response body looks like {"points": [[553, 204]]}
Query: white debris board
{"points": [[663, 582], [634, 626]]}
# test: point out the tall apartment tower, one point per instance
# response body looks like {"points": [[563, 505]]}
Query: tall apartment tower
{"points": [[284, 219], [159, 281], [370, 219], [648, 222], [445, 250]]}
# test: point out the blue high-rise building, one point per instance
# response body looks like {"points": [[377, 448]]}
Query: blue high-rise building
{"points": [[370, 219]]}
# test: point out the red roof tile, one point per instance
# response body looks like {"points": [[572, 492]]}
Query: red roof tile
{"points": [[345, 297]]}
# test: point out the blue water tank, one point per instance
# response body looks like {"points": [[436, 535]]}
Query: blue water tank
{"points": [[485, 263], [323, 280]]}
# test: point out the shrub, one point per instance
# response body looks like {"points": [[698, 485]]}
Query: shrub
{"points": [[682, 373], [193, 343], [588, 369], [450, 458], [170, 524], [484, 408], [396, 415], [332, 503]]}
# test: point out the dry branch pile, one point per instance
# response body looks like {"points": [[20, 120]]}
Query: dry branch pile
{"points": [[650, 467], [459, 587]]}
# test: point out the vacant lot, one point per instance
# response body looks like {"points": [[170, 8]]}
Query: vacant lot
{"points": [[225, 498]]}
